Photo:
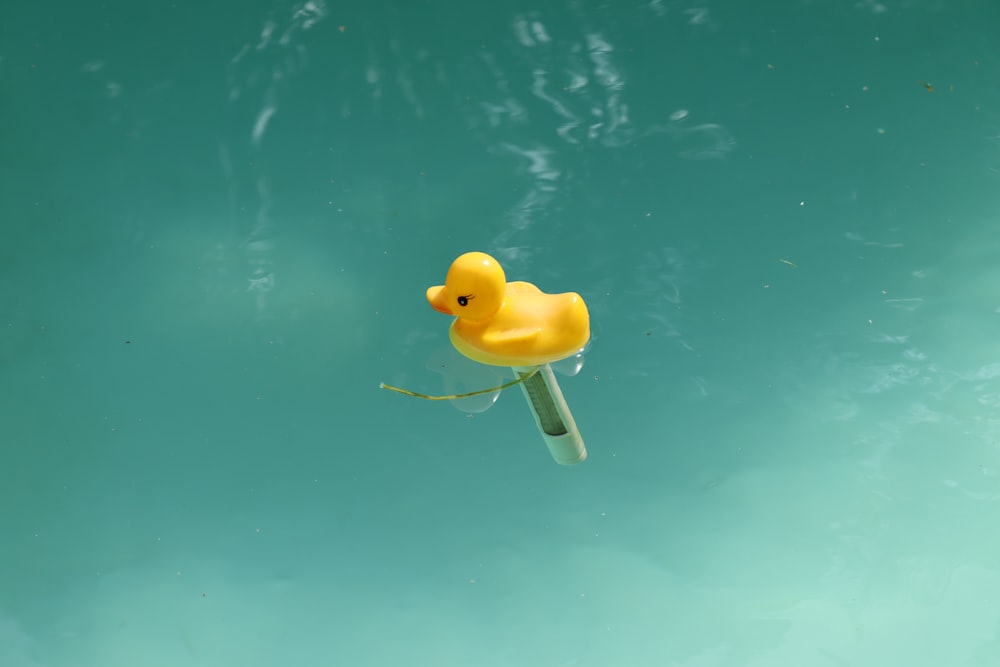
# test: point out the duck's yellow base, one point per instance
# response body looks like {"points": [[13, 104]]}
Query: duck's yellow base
{"points": [[522, 358]]}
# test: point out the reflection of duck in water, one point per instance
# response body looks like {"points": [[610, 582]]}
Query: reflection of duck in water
{"points": [[508, 324]]}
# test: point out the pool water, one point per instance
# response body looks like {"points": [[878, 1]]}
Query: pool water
{"points": [[219, 223]]}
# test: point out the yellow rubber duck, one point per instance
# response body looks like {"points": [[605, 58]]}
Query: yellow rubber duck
{"points": [[508, 324]]}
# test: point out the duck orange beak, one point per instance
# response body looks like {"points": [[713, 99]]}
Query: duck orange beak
{"points": [[438, 298]]}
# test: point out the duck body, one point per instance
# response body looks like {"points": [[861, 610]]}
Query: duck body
{"points": [[508, 324]]}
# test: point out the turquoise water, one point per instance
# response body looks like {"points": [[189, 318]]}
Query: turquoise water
{"points": [[218, 226]]}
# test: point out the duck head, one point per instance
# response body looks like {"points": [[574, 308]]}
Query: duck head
{"points": [[473, 290]]}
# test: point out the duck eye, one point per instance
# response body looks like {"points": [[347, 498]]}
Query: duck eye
{"points": [[464, 300]]}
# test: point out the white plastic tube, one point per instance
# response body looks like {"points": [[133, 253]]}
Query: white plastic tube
{"points": [[555, 422]]}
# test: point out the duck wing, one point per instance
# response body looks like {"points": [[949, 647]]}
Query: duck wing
{"points": [[521, 287]]}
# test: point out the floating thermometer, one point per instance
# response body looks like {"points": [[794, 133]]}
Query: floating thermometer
{"points": [[517, 325]]}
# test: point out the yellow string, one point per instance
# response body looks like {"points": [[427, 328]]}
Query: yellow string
{"points": [[406, 392]]}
